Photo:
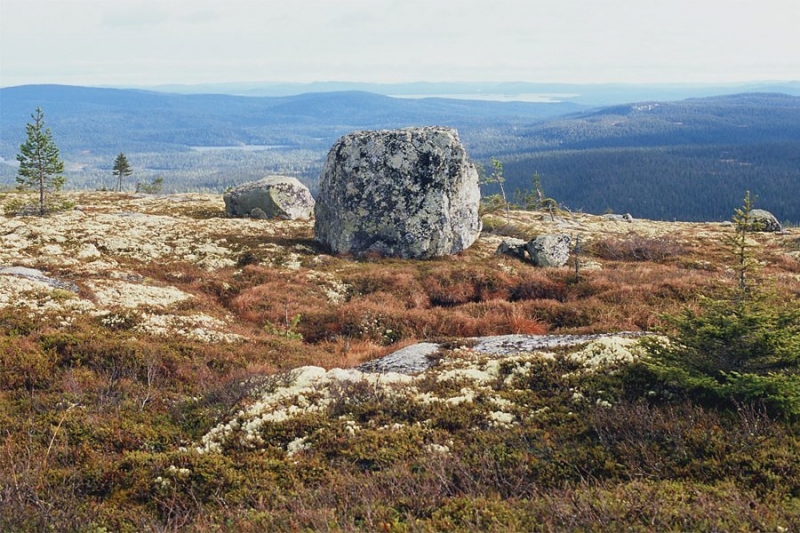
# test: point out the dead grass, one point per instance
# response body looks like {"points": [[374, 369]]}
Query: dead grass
{"points": [[139, 397], [636, 248]]}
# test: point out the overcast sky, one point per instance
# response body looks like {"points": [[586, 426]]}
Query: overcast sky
{"points": [[149, 42]]}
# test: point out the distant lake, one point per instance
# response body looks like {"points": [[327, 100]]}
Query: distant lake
{"points": [[241, 147], [539, 98]]}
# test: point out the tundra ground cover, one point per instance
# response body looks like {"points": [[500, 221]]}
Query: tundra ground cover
{"points": [[184, 322]]}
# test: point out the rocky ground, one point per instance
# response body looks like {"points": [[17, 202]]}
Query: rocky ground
{"points": [[95, 259], [155, 344]]}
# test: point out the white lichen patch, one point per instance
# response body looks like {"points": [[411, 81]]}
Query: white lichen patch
{"points": [[130, 295], [464, 379], [335, 290], [198, 327], [306, 390], [501, 419], [608, 351], [40, 297], [478, 375], [437, 448], [298, 445]]}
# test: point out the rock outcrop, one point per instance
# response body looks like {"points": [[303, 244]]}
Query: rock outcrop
{"points": [[762, 220], [410, 193], [620, 218], [38, 275], [271, 197]]}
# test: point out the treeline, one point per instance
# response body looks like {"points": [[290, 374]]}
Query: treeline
{"points": [[194, 171]]}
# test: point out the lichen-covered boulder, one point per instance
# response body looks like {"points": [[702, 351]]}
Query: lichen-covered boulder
{"points": [[271, 197], [762, 220], [549, 250], [410, 193]]}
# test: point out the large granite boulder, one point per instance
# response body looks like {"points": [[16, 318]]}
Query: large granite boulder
{"points": [[549, 250], [410, 193], [271, 197], [762, 220]]}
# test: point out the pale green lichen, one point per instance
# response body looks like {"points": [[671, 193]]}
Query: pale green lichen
{"points": [[464, 378]]}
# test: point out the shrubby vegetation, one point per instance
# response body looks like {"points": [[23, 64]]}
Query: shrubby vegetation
{"points": [[101, 418], [738, 348]]}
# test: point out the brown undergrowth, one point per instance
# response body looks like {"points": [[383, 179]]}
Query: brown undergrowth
{"points": [[99, 417]]}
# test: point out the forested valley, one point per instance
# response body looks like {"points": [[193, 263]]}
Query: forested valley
{"points": [[685, 160]]}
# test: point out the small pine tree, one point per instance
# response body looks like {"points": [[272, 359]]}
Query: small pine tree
{"points": [[121, 169], [498, 178], [745, 347], [535, 198], [154, 187], [40, 166], [739, 243]]}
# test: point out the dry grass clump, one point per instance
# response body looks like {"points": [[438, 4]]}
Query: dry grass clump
{"points": [[458, 285], [538, 286], [278, 300], [507, 228], [637, 248]]}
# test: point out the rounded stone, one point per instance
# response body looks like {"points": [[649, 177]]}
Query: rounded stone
{"points": [[762, 220]]}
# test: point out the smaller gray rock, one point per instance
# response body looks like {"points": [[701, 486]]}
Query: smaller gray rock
{"points": [[38, 275], [409, 360], [549, 250], [258, 213], [762, 220], [273, 197], [620, 218], [512, 247]]}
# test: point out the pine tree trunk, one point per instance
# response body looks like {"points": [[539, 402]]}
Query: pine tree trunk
{"points": [[41, 193]]}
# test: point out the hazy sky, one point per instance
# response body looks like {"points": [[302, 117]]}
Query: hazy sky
{"points": [[148, 42]]}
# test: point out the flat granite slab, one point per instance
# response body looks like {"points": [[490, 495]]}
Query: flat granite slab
{"points": [[418, 357]]}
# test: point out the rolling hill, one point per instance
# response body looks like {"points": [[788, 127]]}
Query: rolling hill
{"points": [[106, 120], [688, 160]]}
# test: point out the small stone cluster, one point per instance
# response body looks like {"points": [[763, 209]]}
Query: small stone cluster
{"points": [[410, 193]]}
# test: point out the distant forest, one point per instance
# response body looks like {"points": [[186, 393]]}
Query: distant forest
{"points": [[691, 160], [686, 160], [691, 183]]}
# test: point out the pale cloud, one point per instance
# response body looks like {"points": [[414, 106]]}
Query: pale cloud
{"points": [[140, 42]]}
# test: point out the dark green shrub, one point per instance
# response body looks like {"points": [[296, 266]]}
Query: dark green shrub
{"points": [[739, 350]]}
